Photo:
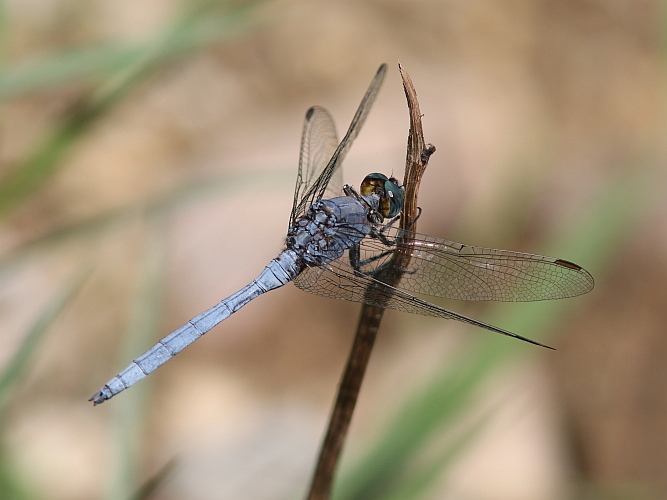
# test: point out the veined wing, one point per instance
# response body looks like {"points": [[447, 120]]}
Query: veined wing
{"points": [[452, 270], [318, 144], [316, 191], [337, 280]]}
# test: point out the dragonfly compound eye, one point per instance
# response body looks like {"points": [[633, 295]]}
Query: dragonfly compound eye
{"points": [[373, 184], [389, 190], [392, 203]]}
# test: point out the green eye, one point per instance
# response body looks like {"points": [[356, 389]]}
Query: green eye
{"points": [[391, 193], [394, 195], [373, 184]]}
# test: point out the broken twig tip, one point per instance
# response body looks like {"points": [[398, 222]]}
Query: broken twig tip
{"points": [[427, 152]]}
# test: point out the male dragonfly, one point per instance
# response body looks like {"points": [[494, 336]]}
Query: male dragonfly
{"points": [[339, 246]]}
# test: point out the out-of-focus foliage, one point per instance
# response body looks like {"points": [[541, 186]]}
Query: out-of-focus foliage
{"points": [[579, 73], [15, 370], [114, 69], [117, 71], [448, 395]]}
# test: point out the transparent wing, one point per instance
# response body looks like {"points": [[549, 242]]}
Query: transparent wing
{"points": [[318, 188], [318, 144], [337, 280], [444, 268]]}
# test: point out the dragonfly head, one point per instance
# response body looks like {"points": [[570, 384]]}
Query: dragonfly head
{"points": [[389, 190]]}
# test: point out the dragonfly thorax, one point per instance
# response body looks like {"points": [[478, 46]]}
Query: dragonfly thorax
{"points": [[330, 227]]}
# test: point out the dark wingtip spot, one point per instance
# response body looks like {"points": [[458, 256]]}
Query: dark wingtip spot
{"points": [[310, 112], [568, 264]]}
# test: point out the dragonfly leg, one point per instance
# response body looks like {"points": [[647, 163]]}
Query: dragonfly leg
{"points": [[384, 266], [412, 222], [383, 238], [354, 254], [379, 233], [355, 259], [389, 224], [376, 257]]}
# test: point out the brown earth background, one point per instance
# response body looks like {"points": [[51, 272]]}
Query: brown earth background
{"points": [[152, 146]]}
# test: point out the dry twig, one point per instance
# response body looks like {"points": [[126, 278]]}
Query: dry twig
{"points": [[418, 154]]}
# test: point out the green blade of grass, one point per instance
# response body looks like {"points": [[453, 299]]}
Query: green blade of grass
{"points": [[592, 242], [419, 482], [196, 191], [3, 28], [155, 483], [9, 485], [30, 173], [104, 59], [80, 64], [439, 402], [12, 373], [130, 411]]}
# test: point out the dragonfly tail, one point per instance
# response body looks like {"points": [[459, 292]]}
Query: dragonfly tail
{"points": [[279, 272]]}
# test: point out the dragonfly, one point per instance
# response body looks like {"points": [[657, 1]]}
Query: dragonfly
{"points": [[341, 247]]}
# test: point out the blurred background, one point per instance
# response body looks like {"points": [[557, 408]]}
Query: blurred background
{"points": [[148, 152]]}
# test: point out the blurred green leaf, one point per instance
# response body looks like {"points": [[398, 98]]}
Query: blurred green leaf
{"points": [[3, 28], [592, 242], [130, 410], [105, 59], [416, 484], [19, 362], [162, 203], [154, 483], [10, 486], [194, 30]]}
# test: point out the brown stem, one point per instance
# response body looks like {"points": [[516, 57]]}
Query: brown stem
{"points": [[418, 154]]}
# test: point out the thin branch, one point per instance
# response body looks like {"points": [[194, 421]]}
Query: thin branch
{"points": [[418, 154]]}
